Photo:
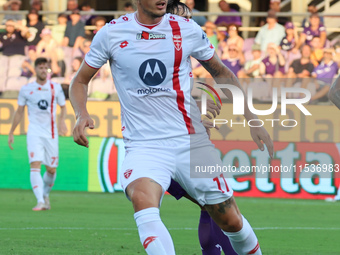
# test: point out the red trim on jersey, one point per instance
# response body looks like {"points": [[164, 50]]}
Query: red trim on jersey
{"points": [[89, 65], [207, 59], [52, 117], [176, 31], [147, 26]]}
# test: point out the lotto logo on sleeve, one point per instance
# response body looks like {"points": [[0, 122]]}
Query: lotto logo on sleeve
{"points": [[152, 72]]}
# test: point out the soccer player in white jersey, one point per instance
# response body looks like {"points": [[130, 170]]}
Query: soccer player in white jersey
{"points": [[41, 98], [334, 96], [148, 52]]}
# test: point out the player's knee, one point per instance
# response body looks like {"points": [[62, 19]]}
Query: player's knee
{"points": [[142, 199], [232, 224], [51, 170]]}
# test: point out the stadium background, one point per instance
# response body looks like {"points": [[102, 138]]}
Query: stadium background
{"points": [[316, 140], [305, 227]]}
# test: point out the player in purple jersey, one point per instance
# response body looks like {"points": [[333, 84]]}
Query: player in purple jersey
{"points": [[148, 52], [212, 239]]}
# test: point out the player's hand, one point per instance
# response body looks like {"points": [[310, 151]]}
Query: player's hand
{"points": [[260, 134], [10, 140], [208, 125], [79, 130], [62, 128], [213, 109]]}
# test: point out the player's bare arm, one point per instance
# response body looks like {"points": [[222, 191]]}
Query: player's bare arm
{"points": [[62, 128], [16, 120], [334, 93], [221, 73], [78, 97]]}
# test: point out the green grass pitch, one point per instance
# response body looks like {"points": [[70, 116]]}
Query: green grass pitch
{"points": [[93, 223]]}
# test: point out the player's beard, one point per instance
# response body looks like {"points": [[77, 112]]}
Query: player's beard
{"points": [[151, 14], [42, 77]]}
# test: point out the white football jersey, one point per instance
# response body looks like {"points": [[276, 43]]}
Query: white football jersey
{"points": [[41, 101], [152, 72]]}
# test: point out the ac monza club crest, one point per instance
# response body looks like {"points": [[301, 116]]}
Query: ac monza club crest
{"points": [[177, 39], [32, 154], [128, 173]]}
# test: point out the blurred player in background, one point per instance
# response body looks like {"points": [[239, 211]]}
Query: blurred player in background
{"points": [[41, 98], [334, 96], [148, 51]]}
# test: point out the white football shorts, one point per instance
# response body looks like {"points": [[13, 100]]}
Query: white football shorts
{"points": [[164, 159], [45, 150]]}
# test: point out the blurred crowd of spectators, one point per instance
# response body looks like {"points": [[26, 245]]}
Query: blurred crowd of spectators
{"points": [[277, 51], [305, 59]]}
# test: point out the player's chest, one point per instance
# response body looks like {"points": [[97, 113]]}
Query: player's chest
{"points": [[41, 98], [138, 47]]}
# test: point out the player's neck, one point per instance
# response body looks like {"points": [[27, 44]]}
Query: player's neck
{"points": [[147, 19], [41, 82]]}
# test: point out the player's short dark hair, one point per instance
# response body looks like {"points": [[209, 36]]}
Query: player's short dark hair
{"points": [[40, 61], [173, 7]]}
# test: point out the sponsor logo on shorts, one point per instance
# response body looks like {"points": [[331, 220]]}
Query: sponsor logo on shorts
{"points": [[150, 36], [128, 173], [150, 91]]}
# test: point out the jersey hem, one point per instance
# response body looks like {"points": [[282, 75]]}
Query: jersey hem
{"points": [[207, 59], [90, 65]]}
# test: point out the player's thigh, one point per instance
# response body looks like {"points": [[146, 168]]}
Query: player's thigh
{"points": [[155, 165], [35, 149], [204, 187], [51, 152]]}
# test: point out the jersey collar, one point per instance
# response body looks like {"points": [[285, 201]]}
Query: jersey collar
{"points": [[147, 26]]}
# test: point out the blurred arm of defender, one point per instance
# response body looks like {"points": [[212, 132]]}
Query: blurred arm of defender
{"points": [[221, 73], [78, 97], [16, 120], [62, 128], [334, 92]]}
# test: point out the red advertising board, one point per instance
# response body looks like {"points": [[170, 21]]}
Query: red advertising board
{"points": [[298, 170]]}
